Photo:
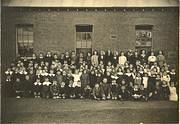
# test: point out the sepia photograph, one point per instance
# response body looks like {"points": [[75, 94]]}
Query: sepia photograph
{"points": [[89, 61]]}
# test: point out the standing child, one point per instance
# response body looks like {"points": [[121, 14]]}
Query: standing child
{"points": [[46, 88], [54, 88], [145, 80], [18, 86], [105, 89], [37, 88], [165, 91], [114, 86], [77, 84], [84, 83], [173, 95]]}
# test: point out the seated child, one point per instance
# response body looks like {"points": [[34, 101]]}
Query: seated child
{"points": [[46, 88], [54, 88], [97, 92], [37, 88], [105, 89], [87, 91], [136, 92]]}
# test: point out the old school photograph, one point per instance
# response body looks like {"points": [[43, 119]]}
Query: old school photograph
{"points": [[89, 61]]}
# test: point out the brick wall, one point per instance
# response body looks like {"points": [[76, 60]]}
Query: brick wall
{"points": [[55, 30]]}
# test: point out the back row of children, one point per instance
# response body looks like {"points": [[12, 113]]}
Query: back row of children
{"points": [[107, 75]]}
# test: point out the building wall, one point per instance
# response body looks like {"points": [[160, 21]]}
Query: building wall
{"points": [[55, 30]]}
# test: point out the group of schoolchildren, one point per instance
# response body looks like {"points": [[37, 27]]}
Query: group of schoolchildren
{"points": [[99, 75]]}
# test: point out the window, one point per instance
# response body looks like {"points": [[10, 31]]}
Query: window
{"points": [[83, 36], [143, 35], [24, 39]]}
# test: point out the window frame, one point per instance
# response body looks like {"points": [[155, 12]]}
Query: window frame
{"points": [[146, 28], [24, 39]]}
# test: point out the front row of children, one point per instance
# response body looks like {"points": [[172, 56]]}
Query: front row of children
{"points": [[100, 87]]}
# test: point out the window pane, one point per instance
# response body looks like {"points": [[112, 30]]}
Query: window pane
{"points": [[78, 36], [83, 45], [84, 36], [88, 36], [78, 45], [24, 39], [88, 44]]}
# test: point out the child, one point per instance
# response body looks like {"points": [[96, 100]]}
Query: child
{"points": [[27, 86], [165, 91], [138, 80], [51, 75], [105, 89], [173, 78], [77, 83], [46, 88], [92, 79], [122, 90], [9, 85], [143, 93], [37, 88], [152, 59], [18, 87], [94, 59], [54, 88], [84, 78], [136, 92], [114, 86], [156, 93], [97, 92], [122, 59], [145, 80], [173, 95]]}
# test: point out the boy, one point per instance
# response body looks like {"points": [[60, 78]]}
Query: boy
{"points": [[54, 88], [136, 92], [165, 91], [37, 88], [46, 88], [84, 78], [122, 91], [114, 86], [105, 89], [92, 79], [18, 87], [97, 92], [27, 86]]}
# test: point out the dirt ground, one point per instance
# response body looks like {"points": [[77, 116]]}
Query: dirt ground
{"points": [[30, 110]]}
